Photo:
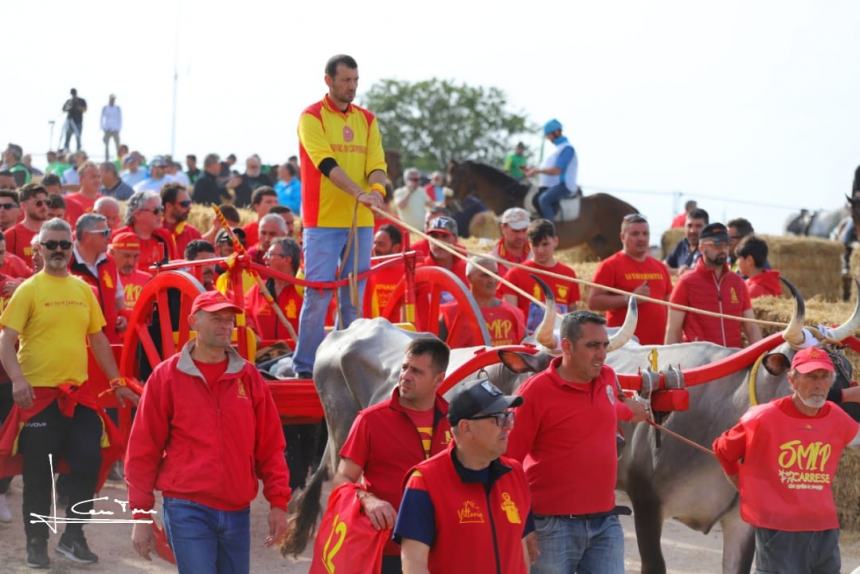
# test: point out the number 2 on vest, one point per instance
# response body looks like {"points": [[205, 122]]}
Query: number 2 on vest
{"points": [[337, 526]]}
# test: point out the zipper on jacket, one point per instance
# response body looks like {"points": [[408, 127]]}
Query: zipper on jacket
{"points": [[493, 531], [717, 282]]}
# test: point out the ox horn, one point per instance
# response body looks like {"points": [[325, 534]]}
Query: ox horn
{"points": [[545, 333], [793, 333], [627, 329], [850, 326]]}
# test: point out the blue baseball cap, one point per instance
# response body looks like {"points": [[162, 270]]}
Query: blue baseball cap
{"points": [[551, 126]]}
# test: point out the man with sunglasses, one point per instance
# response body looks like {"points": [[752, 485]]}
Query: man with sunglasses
{"points": [[566, 437], [91, 262], [9, 209], [176, 202], [53, 314], [467, 509], [390, 437], [143, 217], [634, 270], [34, 200]]}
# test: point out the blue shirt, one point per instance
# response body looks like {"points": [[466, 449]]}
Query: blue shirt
{"points": [[290, 195]]}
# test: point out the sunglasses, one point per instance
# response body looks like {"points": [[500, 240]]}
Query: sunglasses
{"points": [[52, 245], [103, 232], [186, 203], [155, 211], [40, 203], [8, 206], [503, 420]]}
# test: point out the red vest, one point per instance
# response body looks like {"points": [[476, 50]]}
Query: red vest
{"points": [[790, 465], [105, 287], [476, 532]]}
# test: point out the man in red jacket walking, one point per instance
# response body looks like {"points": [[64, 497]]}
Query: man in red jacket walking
{"points": [[205, 432], [782, 456]]}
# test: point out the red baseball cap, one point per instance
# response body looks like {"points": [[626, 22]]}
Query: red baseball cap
{"points": [[212, 301], [126, 240], [811, 359]]}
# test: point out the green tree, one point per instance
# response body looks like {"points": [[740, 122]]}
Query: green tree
{"points": [[433, 121]]}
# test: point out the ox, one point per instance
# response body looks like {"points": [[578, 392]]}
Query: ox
{"points": [[359, 366]]}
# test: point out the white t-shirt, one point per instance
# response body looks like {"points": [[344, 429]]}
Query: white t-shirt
{"points": [[414, 210]]}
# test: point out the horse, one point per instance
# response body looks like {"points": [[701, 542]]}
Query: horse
{"points": [[819, 223], [598, 223]]}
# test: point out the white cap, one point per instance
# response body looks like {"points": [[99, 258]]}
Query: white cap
{"points": [[516, 218]]}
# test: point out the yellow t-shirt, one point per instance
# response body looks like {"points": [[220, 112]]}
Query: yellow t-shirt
{"points": [[53, 316]]}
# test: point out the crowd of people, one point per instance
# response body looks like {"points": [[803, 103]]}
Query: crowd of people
{"points": [[79, 243]]}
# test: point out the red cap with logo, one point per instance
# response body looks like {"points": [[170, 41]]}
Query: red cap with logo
{"points": [[212, 301], [126, 240], [811, 359]]}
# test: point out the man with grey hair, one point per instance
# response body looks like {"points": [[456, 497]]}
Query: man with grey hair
{"points": [[109, 207], [208, 189], [143, 217], [157, 176], [410, 200], [112, 185], [249, 181], [271, 225], [91, 262], [505, 322], [566, 438], [52, 314]]}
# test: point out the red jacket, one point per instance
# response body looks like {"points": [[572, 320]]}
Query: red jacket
{"points": [[207, 445], [105, 286], [765, 284]]}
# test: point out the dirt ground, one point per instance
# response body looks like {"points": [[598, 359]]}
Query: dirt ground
{"points": [[686, 552]]}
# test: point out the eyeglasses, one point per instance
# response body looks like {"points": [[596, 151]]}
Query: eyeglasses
{"points": [[103, 232], [186, 203], [40, 202], [503, 420], [52, 245], [154, 211], [8, 206]]}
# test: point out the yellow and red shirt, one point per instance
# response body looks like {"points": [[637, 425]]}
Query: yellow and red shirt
{"points": [[267, 323], [352, 139]]}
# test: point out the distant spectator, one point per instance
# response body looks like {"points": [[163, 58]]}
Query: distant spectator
{"points": [[177, 206], [57, 164], [208, 190], [132, 173], [111, 121], [680, 220], [12, 162], [263, 199], [112, 185], [250, 180], [294, 161], [74, 108], [410, 200], [231, 214], [52, 184], [109, 208], [686, 252], [752, 256], [83, 200], [157, 176], [27, 160], [56, 206], [515, 162], [738, 229], [193, 172], [121, 154], [173, 172], [436, 191], [289, 188], [70, 176]]}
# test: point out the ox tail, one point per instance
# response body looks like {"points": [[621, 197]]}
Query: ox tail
{"points": [[301, 525]]}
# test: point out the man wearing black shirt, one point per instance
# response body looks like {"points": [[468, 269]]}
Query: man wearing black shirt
{"points": [[74, 108], [207, 189], [251, 180]]}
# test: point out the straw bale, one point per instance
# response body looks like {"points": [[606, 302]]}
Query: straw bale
{"points": [[813, 265], [670, 238], [201, 216]]}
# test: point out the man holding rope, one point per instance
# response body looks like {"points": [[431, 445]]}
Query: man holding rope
{"points": [[343, 174]]}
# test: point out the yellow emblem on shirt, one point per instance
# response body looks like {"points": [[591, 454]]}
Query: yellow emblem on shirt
{"points": [[510, 508]]}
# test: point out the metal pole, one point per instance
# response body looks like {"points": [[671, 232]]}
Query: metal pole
{"points": [[51, 134], [175, 81]]}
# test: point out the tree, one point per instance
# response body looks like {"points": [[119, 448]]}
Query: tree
{"points": [[433, 121]]}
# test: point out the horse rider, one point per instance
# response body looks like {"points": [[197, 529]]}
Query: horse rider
{"points": [[557, 175]]}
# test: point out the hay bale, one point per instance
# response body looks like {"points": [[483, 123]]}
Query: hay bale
{"points": [[201, 216], [813, 265], [484, 225], [577, 254], [669, 239]]}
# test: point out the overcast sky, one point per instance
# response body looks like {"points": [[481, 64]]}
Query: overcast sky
{"points": [[747, 101]]}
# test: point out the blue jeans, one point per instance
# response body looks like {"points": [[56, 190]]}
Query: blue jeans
{"points": [[323, 249], [574, 545], [549, 200], [204, 539]]}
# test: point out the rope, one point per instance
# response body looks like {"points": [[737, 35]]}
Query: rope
{"points": [[681, 438], [351, 279]]}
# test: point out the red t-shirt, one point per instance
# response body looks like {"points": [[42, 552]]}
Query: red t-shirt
{"points": [[499, 250], [765, 284], [383, 441], [15, 267], [787, 463], [268, 326], [211, 371], [565, 437], [423, 421], [132, 285], [18, 240], [77, 204], [566, 292], [504, 322], [623, 272], [701, 289], [679, 220], [252, 233], [381, 285], [183, 234], [458, 268]]}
